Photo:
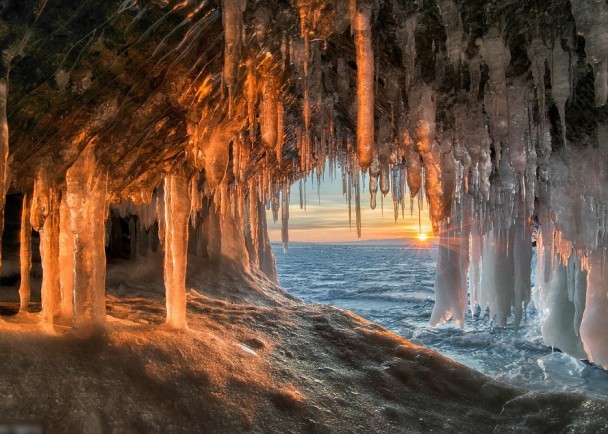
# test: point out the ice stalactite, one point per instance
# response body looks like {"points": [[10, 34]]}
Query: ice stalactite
{"points": [[374, 171], [269, 120], [357, 188], [423, 109], [365, 83], [453, 25], [560, 81], [591, 18], [87, 208], [496, 56], [518, 127], [285, 217], [25, 252], [177, 213], [232, 19], [217, 154], [413, 164], [538, 53]]}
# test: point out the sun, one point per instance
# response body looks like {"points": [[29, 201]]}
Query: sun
{"points": [[422, 236]]}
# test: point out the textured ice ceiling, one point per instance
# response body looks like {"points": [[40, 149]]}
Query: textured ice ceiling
{"points": [[493, 111]]}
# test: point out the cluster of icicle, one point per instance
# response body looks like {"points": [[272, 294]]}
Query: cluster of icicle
{"points": [[480, 175]]}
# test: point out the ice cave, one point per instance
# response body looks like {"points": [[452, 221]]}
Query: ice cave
{"points": [[143, 141]]}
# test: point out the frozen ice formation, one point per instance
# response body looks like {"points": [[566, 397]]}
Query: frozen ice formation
{"points": [[171, 126]]}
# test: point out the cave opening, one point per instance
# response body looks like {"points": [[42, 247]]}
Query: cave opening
{"points": [[146, 145]]}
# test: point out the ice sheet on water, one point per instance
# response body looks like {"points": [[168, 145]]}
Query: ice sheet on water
{"points": [[519, 358]]}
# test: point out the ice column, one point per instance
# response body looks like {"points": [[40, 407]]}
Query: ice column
{"points": [[450, 280], [522, 259], [365, 85], [87, 210], [49, 253], [66, 259], [594, 326], [4, 64], [177, 213], [25, 252]]}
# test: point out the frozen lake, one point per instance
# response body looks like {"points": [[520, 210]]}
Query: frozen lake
{"points": [[392, 285]]}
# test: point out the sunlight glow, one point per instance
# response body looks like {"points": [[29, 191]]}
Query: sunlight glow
{"points": [[422, 236]]}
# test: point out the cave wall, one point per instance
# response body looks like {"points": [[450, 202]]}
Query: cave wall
{"points": [[188, 118]]}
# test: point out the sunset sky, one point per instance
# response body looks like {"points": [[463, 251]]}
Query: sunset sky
{"points": [[327, 221]]}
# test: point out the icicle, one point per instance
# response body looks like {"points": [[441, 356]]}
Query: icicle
{"points": [[374, 171], [25, 252], [360, 23], [414, 166], [357, 203], [591, 18], [268, 113], [232, 20], [497, 56], [452, 22], [275, 203], [422, 105], [217, 153], [251, 89], [285, 217], [177, 208], [280, 131], [560, 82], [518, 126], [537, 53], [395, 191]]}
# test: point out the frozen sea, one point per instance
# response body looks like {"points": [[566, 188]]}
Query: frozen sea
{"points": [[392, 285]]}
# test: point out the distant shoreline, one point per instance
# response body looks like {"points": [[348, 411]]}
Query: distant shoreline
{"points": [[378, 242]]}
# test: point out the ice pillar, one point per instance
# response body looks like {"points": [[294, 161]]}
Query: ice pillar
{"points": [[450, 282], [4, 66], [594, 325], [49, 254], [177, 213], [86, 207]]}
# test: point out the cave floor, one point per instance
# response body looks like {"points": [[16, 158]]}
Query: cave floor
{"points": [[258, 364]]}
